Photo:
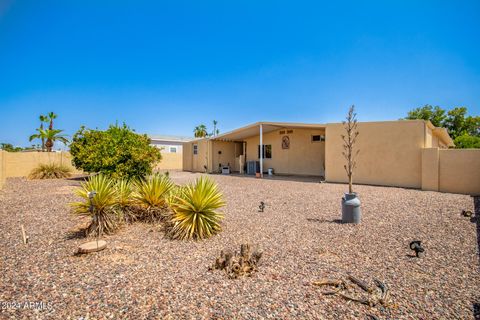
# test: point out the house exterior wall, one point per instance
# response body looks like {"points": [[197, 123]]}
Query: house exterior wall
{"points": [[430, 140], [304, 157], [187, 156], [170, 161], [197, 162], [166, 146], [390, 153], [430, 169], [223, 153]]}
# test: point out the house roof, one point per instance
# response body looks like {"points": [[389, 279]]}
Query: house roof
{"points": [[253, 129], [170, 138]]}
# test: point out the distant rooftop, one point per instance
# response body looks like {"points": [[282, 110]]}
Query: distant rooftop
{"points": [[169, 138]]}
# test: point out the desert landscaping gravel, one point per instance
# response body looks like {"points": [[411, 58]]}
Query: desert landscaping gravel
{"points": [[143, 275]]}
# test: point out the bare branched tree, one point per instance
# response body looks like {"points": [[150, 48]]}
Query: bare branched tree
{"points": [[349, 140]]}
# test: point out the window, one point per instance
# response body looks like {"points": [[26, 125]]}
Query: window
{"points": [[195, 149], [318, 138], [173, 149], [267, 151]]}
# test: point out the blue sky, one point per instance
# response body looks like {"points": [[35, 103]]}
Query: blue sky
{"points": [[165, 66]]}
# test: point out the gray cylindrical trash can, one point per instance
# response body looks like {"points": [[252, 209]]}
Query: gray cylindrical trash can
{"points": [[270, 171], [351, 212]]}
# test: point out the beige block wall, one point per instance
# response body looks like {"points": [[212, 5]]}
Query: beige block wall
{"points": [[20, 164], [390, 153], [2, 168], [459, 171], [430, 169], [451, 170], [304, 157]]}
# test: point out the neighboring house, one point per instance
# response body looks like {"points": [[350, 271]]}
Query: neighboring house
{"points": [[169, 144], [392, 153], [171, 149]]}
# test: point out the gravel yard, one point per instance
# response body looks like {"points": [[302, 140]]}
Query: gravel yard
{"points": [[143, 275]]}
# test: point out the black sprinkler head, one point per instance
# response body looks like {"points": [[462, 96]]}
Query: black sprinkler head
{"points": [[261, 206], [416, 246]]}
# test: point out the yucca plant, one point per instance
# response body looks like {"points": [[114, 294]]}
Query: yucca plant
{"points": [[50, 171], [151, 196], [102, 208], [195, 210], [124, 193]]}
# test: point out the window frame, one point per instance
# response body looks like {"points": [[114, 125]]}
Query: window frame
{"points": [[267, 151], [321, 138], [195, 149]]}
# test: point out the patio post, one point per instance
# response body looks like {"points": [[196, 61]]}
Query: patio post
{"points": [[261, 150]]}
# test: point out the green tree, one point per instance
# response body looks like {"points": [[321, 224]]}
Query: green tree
{"points": [[463, 129], [436, 115], [117, 152], [467, 141], [50, 135], [458, 124], [9, 147], [200, 131]]}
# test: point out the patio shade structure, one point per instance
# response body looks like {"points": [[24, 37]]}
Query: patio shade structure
{"points": [[261, 128]]}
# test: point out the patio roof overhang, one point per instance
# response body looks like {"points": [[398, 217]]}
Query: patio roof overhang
{"points": [[253, 130]]}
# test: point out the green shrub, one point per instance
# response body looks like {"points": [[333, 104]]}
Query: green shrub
{"points": [[466, 141], [106, 213], [117, 152], [195, 214], [50, 171], [151, 196]]}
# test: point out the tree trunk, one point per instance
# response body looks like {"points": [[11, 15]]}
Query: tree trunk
{"points": [[43, 139], [49, 145]]}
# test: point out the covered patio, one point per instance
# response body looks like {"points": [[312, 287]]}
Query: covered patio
{"points": [[279, 147]]}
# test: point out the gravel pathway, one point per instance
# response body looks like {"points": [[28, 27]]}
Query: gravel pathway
{"points": [[142, 275]]}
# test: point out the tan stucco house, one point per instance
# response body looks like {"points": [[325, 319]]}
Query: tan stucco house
{"points": [[401, 153]]}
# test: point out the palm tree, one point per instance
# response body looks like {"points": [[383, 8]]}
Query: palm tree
{"points": [[51, 116], [51, 136], [215, 130], [43, 119], [200, 131]]}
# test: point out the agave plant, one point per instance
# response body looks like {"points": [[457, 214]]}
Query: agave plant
{"points": [[124, 193], [151, 195], [195, 214], [102, 207]]}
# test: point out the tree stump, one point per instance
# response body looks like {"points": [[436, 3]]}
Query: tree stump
{"points": [[236, 264]]}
